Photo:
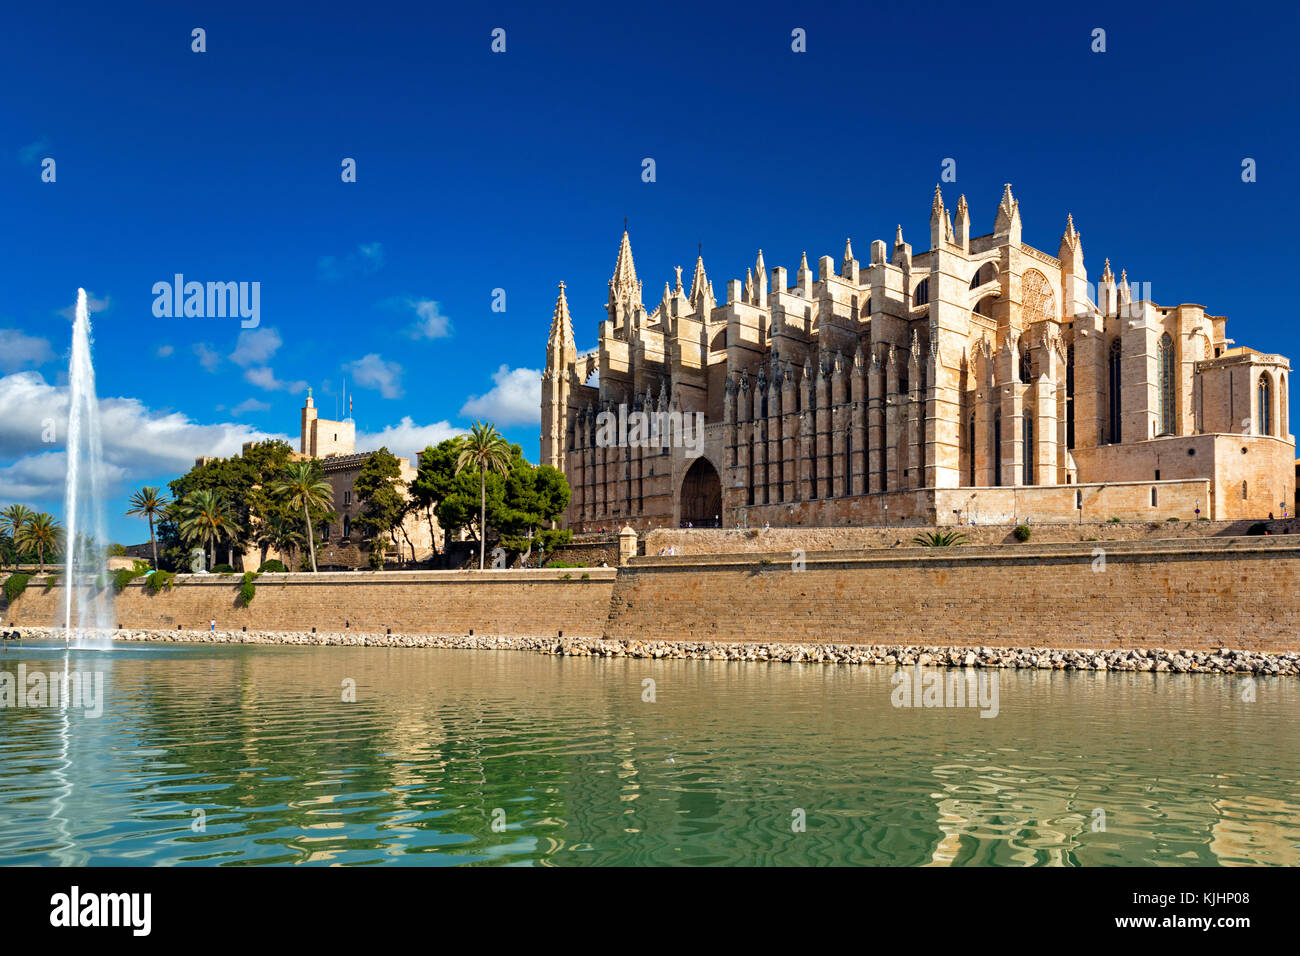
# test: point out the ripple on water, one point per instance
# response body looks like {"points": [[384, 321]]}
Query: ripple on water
{"points": [[239, 755]]}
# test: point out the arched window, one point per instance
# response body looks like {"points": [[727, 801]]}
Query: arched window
{"points": [[1283, 412], [921, 295], [971, 445], [1026, 366], [1069, 397], [1166, 385], [1116, 408], [1027, 450], [1265, 405], [997, 448], [347, 527]]}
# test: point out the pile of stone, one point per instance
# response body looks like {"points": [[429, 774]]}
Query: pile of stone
{"points": [[1221, 661]]}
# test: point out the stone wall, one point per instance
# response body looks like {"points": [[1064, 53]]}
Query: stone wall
{"points": [[784, 540], [504, 603], [1199, 594], [1208, 593]]}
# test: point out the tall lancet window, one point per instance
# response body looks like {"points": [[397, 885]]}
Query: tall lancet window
{"points": [[1116, 408], [1027, 450], [1166, 385], [1265, 405], [997, 448], [971, 445], [1026, 370]]}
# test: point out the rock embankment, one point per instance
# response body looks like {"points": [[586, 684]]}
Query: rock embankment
{"points": [[1223, 661]]}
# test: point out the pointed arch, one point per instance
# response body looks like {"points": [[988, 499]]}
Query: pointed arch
{"points": [[1114, 363], [1264, 414], [1166, 355]]}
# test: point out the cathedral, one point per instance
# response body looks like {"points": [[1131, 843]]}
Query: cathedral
{"points": [[980, 381]]}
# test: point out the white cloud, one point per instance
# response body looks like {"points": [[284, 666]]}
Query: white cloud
{"points": [[516, 398], [250, 405], [371, 371], [209, 357], [19, 350], [365, 260], [407, 439], [430, 322], [165, 351], [264, 377], [139, 443], [255, 347], [93, 304]]}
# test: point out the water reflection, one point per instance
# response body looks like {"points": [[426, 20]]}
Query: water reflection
{"points": [[458, 757]]}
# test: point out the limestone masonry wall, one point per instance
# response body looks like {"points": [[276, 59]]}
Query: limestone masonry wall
{"points": [[503, 603], [1196, 594], [1207, 593], [759, 540]]}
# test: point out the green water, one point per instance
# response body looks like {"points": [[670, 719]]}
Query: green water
{"points": [[573, 767]]}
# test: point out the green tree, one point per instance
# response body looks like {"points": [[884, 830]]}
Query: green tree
{"points": [[284, 533], [149, 502], [436, 479], [305, 489], [534, 497], [383, 501], [206, 519], [42, 534], [484, 450], [12, 520]]}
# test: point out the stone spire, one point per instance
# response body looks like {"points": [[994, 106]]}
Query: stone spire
{"points": [[940, 227], [1071, 251], [1106, 274], [749, 287], [961, 227], [898, 236], [624, 277], [848, 251], [760, 279], [561, 326], [700, 281], [1008, 218]]}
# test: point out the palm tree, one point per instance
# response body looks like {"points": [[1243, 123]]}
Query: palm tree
{"points": [[205, 520], [149, 503], [304, 488], [283, 534], [40, 533], [12, 520], [939, 539], [487, 449]]}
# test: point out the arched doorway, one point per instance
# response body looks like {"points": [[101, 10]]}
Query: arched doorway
{"points": [[701, 495]]}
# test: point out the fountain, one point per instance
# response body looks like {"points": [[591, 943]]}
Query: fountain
{"points": [[87, 604]]}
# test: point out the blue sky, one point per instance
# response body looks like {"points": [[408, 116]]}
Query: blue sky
{"points": [[478, 171]]}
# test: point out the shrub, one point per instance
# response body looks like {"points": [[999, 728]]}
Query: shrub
{"points": [[561, 564], [273, 567], [247, 589], [52, 581], [15, 584], [1022, 532], [1258, 527], [124, 576], [939, 539], [222, 569], [160, 581], [1113, 520], [1174, 518], [586, 577]]}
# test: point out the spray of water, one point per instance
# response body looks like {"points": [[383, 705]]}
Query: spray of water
{"points": [[87, 601]]}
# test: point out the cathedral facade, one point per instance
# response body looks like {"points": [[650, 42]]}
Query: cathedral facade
{"points": [[982, 380]]}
